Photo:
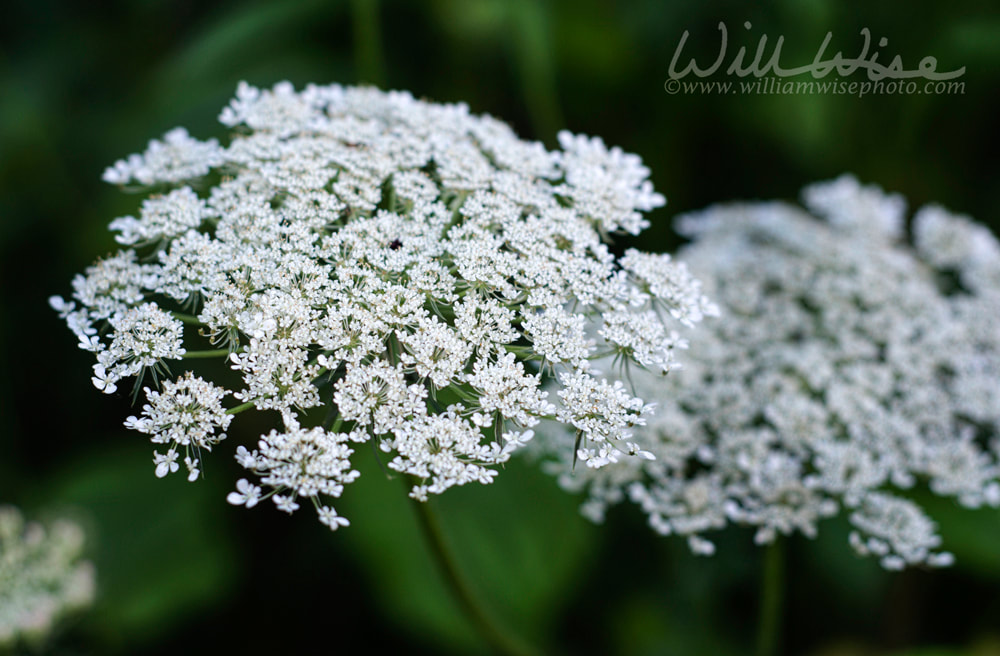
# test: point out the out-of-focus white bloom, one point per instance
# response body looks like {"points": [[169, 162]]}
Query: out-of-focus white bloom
{"points": [[42, 576], [848, 367], [416, 266]]}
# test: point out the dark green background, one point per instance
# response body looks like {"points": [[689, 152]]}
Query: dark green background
{"points": [[82, 85]]}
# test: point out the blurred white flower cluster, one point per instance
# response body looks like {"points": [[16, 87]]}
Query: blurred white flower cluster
{"points": [[412, 267], [41, 576], [851, 363]]}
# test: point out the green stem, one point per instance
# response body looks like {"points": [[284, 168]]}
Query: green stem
{"points": [[187, 318], [531, 24], [214, 353], [500, 639], [771, 599], [240, 408], [367, 42]]}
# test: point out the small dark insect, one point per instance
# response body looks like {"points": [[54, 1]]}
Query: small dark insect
{"points": [[395, 245]]}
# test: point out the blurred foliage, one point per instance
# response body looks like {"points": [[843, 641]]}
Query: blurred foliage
{"points": [[82, 85], [158, 563], [525, 564]]}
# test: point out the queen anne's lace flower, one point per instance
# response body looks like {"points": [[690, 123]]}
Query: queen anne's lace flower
{"points": [[848, 366], [416, 267], [41, 576]]}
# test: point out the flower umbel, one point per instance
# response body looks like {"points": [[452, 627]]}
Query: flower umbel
{"points": [[413, 267], [42, 575], [850, 365]]}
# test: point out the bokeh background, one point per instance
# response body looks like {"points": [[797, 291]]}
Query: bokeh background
{"points": [[180, 571]]}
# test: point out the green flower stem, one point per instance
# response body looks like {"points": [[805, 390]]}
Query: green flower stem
{"points": [[771, 599], [367, 42], [213, 353], [533, 56], [240, 408], [499, 637], [187, 318]]}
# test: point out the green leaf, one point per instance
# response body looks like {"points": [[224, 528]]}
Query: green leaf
{"points": [[972, 535]]}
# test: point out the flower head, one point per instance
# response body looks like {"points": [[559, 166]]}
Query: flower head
{"points": [[849, 366], [416, 267]]}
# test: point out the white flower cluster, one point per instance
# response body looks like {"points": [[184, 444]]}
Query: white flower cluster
{"points": [[186, 413], [850, 365], [41, 576], [302, 462], [412, 267]]}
